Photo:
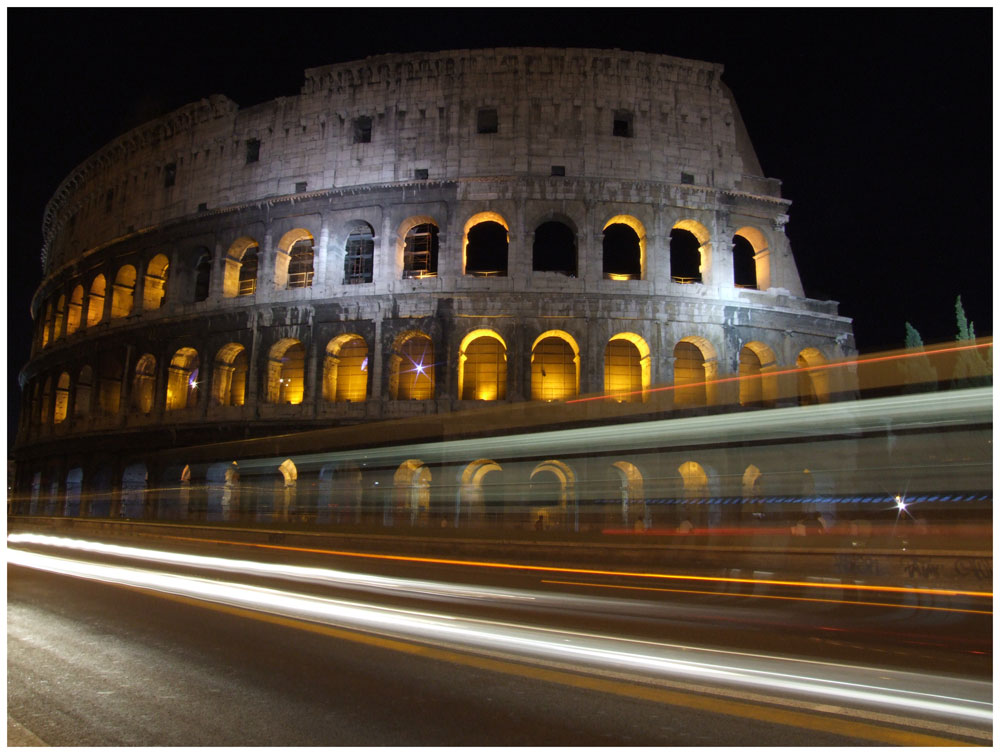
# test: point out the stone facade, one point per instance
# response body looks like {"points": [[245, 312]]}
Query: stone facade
{"points": [[358, 202]]}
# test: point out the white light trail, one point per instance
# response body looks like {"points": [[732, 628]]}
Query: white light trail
{"points": [[917, 694]]}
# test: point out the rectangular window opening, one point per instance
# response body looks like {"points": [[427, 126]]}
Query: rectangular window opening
{"points": [[362, 130], [622, 124], [420, 174], [253, 150], [559, 170], [486, 121], [169, 175]]}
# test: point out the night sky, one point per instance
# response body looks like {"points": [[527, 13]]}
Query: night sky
{"points": [[878, 123]]}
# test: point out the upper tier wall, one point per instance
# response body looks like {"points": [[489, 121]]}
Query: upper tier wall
{"points": [[676, 123]]}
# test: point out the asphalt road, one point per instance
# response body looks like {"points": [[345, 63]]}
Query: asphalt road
{"points": [[96, 664]]}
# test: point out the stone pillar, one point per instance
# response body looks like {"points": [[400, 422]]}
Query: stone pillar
{"points": [[321, 259]]}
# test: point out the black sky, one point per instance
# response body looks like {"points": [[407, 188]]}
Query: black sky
{"points": [[878, 123]]}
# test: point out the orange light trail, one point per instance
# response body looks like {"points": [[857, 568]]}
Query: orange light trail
{"points": [[771, 597], [594, 572], [796, 370]]}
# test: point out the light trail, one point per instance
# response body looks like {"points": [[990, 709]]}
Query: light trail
{"points": [[314, 574], [770, 597], [915, 694]]}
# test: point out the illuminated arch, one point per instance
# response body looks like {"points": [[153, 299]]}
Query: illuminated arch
{"points": [[293, 260], [679, 271], [239, 275], [123, 292], [144, 383], [60, 316], [761, 255], [95, 301], [417, 247], [541, 496], [482, 366], [412, 490], [411, 367], [631, 493], [694, 479], [757, 383], [47, 324], [182, 380], [473, 496], [751, 483], [154, 288], [74, 316], [345, 369], [627, 367], [61, 408], [555, 366], [109, 373], [477, 260], [814, 382], [695, 366], [639, 265], [286, 367], [229, 377]]}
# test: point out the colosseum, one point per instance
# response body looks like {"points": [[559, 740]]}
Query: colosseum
{"points": [[412, 235]]}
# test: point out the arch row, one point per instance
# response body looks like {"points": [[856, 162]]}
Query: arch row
{"points": [[259, 263], [138, 386]]}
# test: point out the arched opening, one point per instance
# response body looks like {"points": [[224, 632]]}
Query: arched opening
{"points": [[744, 267], [631, 496], [61, 408], [74, 491], [286, 369], [222, 488], [554, 249], [101, 492], [239, 275], [339, 494], [202, 277], [47, 325], [627, 368], [758, 387], [359, 254], [293, 262], [694, 482], [486, 245], [300, 264], [95, 301], [482, 367], [555, 367], [814, 381], [60, 316], [689, 251], [752, 487], [134, 483], [420, 251], [286, 489], [182, 380], [75, 313], [752, 263], [47, 401], [694, 366], [411, 368], [84, 387], [229, 380], [624, 248], [480, 493], [144, 384], [551, 487], [412, 491], [123, 294], [155, 285], [110, 373], [345, 370]]}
